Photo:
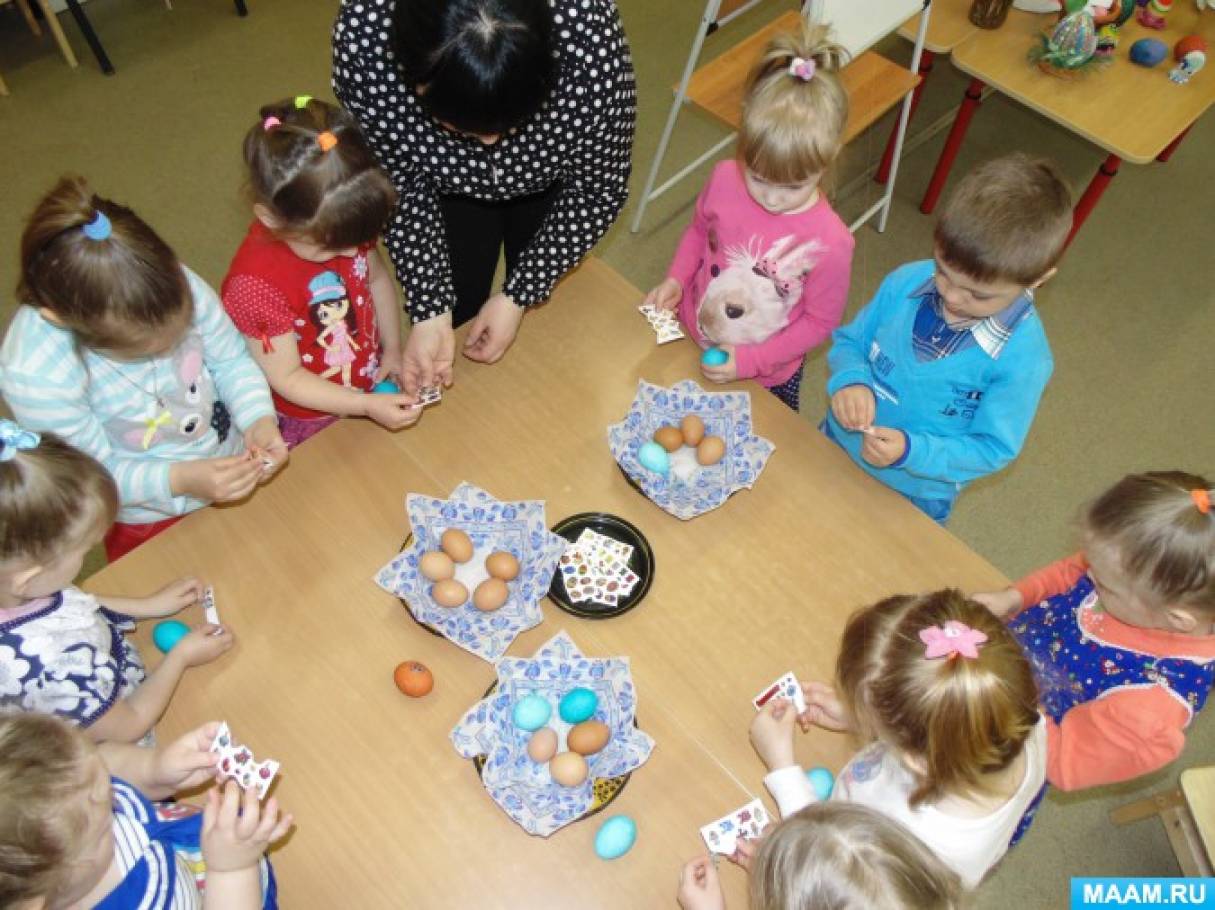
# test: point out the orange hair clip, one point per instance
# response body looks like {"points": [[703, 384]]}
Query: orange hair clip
{"points": [[326, 141], [1202, 500]]}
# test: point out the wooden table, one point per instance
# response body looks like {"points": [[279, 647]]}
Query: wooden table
{"points": [[1134, 114], [388, 815], [1188, 815]]}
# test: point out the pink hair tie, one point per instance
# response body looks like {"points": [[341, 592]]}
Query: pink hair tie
{"points": [[953, 639], [270, 123], [802, 69]]}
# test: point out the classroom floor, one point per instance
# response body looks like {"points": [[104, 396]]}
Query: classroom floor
{"points": [[1131, 315]]}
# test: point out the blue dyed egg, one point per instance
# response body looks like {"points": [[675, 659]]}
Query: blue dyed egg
{"points": [[654, 457], [615, 837], [822, 781], [578, 705], [531, 712], [714, 357], [168, 633], [1148, 52], [386, 387]]}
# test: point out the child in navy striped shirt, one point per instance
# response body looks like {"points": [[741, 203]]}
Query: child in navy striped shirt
{"points": [[128, 356]]}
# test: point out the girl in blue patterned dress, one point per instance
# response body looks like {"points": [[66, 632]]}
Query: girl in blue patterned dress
{"points": [[78, 831], [61, 650]]}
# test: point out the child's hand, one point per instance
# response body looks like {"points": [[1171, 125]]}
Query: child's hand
{"points": [[1003, 603], [200, 646], [237, 829], [823, 708], [174, 597], [391, 365], [263, 440], [187, 761], [744, 852], [393, 411], [883, 446], [854, 407], [699, 886], [772, 734], [727, 372], [666, 296], [215, 479]]}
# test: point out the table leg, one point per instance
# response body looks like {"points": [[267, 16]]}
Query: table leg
{"points": [[1172, 146], [1096, 187], [86, 29], [970, 103], [883, 171]]}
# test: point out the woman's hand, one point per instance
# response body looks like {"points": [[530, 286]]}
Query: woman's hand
{"points": [[429, 353], [493, 329]]}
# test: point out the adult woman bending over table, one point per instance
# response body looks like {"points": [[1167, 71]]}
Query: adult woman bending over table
{"points": [[503, 124]]}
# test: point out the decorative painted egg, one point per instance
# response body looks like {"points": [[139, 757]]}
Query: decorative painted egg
{"points": [[714, 357], [413, 679], [653, 457], [168, 633], [386, 387], [1148, 52], [615, 837], [1073, 41], [823, 782], [531, 712], [578, 705]]}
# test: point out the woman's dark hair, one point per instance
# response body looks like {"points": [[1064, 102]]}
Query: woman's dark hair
{"points": [[482, 66]]}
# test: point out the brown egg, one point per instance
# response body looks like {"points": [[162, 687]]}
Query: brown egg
{"points": [[502, 565], [669, 438], [449, 593], [710, 450], [588, 737], [436, 565], [568, 769], [543, 745], [490, 595], [457, 545], [693, 430], [413, 679]]}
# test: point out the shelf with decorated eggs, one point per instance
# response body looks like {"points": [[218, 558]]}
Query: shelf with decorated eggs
{"points": [[678, 475], [556, 737], [462, 552]]}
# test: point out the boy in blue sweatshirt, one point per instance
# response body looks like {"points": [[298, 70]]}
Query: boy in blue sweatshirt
{"points": [[937, 380]]}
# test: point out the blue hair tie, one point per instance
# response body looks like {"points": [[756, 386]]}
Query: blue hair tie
{"points": [[14, 439], [99, 228]]}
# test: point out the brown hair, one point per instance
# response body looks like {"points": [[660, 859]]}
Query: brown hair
{"points": [[1164, 542], [48, 495], [112, 294], [1008, 220], [844, 856], [46, 768], [963, 718], [792, 129], [337, 197]]}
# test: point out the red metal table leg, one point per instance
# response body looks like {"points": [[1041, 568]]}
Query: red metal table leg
{"points": [[883, 171], [1096, 187], [970, 103], [1172, 146]]}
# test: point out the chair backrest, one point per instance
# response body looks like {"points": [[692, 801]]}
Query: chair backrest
{"points": [[859, 24]]}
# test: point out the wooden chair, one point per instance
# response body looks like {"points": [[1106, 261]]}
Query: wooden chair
{"points": [[52, 23], [874, 84], [1188, 815]]}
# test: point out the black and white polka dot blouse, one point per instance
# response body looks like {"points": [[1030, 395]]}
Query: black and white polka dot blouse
{"points": [[582, 138]]}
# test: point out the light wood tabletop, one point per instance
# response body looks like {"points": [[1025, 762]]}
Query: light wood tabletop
{"points": [[948, 26], [1128, 110], [1198, 787], [388, 815]]}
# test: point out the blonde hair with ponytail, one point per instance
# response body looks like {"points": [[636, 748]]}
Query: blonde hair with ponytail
{"points": [[962, 718], [792, 127]]}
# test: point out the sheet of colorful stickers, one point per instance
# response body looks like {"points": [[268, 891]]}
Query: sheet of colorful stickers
{"points": [[236, 762], [664, 323], [595, 567]]}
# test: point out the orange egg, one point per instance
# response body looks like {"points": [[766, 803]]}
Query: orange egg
{"points": [[490, 595], [449, 593], [436, 565], [693, 430], [710, 450], [502, 565], [457, 545], [569, 769], [588, 737], [669, 437], [413, 679]]}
